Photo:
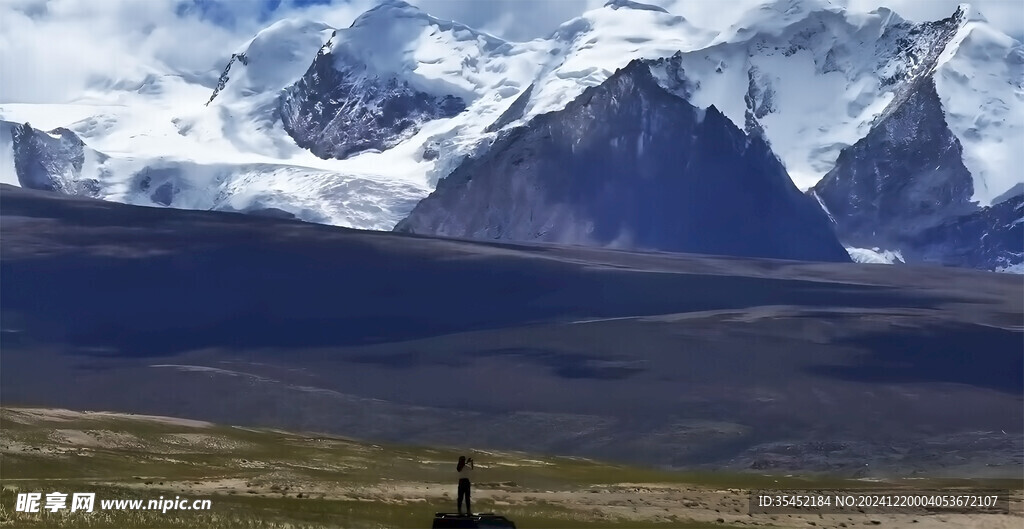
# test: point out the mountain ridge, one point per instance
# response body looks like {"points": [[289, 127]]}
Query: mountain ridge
{"points": [[810, 78], [630, 164]]}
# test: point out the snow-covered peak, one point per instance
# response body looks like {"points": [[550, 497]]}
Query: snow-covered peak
{"points": [[243, 105], [435, 56], [389, 11], [280, 33], [812, 75], [980, 80], [391, 18], [588, 49], [969, 13], [626, 19], [883, 17], [275, 57], [774, 17]]}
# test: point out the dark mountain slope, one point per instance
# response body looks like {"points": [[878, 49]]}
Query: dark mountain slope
{"points": [[630, 165], [904, 186]]}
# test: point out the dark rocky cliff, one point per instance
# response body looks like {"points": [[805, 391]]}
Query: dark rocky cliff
{"points": [[630, 165], [904, 187], [340, 107]]}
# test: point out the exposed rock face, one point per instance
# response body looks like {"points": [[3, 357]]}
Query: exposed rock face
{"points": [[51, 161], [906, 175], [628, 164], [904, 186], [340, 107], [222, 81], [760, 100], [991, 238]]}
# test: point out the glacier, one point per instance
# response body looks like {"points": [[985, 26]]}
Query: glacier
{"points": [[812, 78]]}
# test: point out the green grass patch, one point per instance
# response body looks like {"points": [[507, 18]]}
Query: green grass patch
{"points": [[344, 483]]}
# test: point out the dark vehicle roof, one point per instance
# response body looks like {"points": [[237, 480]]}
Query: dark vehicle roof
{"points": [[447, 520]]}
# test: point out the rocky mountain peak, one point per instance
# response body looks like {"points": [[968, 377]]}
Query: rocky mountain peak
{"points": [[628, 164], [966, 12]]}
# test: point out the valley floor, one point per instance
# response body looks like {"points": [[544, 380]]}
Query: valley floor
{"points": [[271, 478], [664, 360]]}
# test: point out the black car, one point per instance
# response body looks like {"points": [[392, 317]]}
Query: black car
{"points": [[447, 520]]}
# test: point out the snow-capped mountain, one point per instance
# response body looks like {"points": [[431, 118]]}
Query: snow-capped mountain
{"points": [[585, 51], [372, 85], [815, 79], [353, 126], [244, 104], [629, 164], [905, 186], [921, 181], [171, 140]]}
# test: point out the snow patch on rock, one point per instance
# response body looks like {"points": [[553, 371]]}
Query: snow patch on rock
{"points": [[875, 255]]}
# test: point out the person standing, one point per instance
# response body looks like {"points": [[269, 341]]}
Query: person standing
{"points": [[465, 471]]}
